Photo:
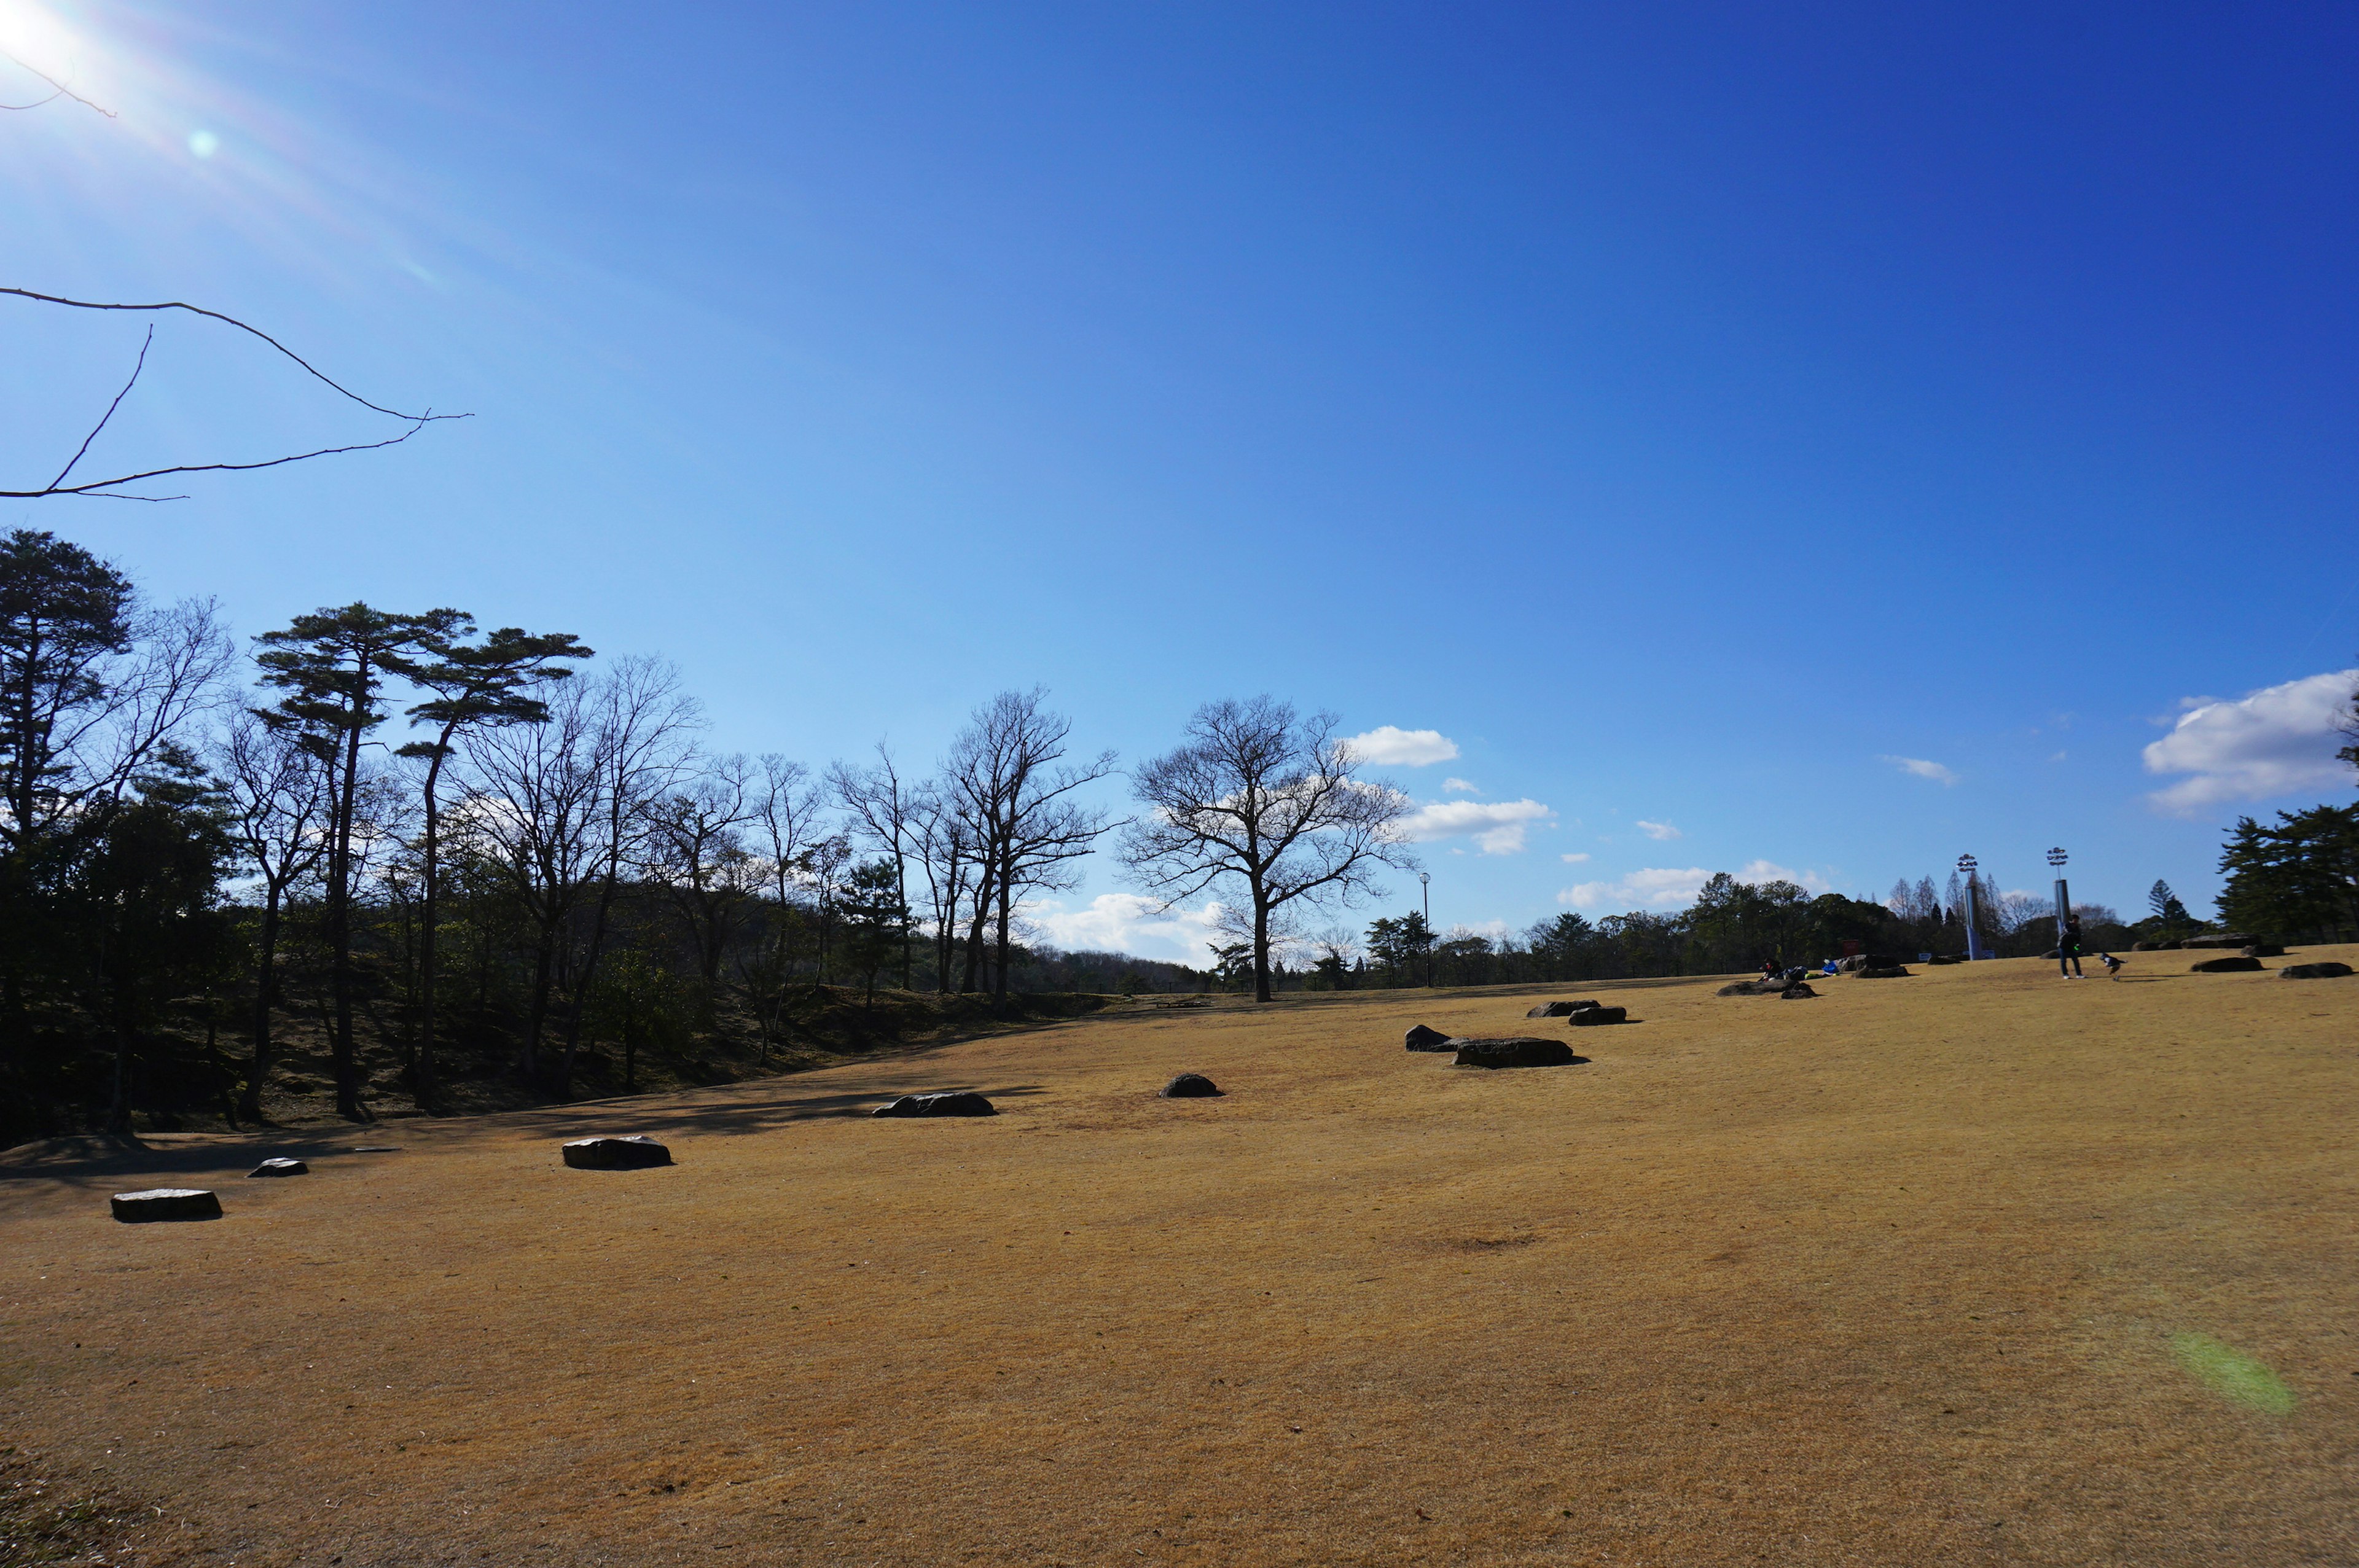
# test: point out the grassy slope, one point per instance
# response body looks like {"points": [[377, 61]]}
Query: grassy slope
{"points": [[1905, 1273]]}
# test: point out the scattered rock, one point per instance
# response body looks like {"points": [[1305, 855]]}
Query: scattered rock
{"points": [[1560, 1009], [1588, 1016], [1861, 961], [1515, 1050], [1882, 972], [636, 1152], [1798, 989], [1421, 1038], [1754, 987], [1191, 1086], [280, 1166], [2327, 970], [1947, 959], [2219, 941], [2265, 950], [165, 1202], [2235, 966], [953, 1102]]}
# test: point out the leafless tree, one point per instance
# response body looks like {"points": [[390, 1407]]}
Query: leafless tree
{"points": [[788, 818], [537, 806], [946, 853], [696, 852], [643, 724], [279, 799], [1017, 802], [64, 483], [885, 811], [1266, 805]]}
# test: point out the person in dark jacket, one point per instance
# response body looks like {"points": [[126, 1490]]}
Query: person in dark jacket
{"points": [[2068, 950]]}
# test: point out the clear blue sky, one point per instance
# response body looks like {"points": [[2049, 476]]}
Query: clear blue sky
{"points": [[1697, 414]]}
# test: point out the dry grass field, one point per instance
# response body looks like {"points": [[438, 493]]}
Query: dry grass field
{"points": [[1974, 1267]]}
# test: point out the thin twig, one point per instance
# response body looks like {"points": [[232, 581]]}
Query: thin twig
{"points": [[100, 486], [63, 89], [110, 407], [234, 322]]}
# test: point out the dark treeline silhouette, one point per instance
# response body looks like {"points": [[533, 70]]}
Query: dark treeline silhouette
{"points": [[422, 867]]}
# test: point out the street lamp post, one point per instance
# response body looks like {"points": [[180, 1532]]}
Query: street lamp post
{"points": [[1425, 881], [1967, 866], [2063, 895]]}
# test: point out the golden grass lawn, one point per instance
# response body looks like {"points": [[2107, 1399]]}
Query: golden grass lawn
{"points": [[1979, 1266]]}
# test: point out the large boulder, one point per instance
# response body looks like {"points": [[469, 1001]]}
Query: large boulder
{"points": [[1881, 972], [2236, 965], [1421, 1038], [2238, 941], [280, 1166], [1590, 1017], [1191, 1086], [2265, 950], [1560, 1009], [1797, 990], [1515, 1050], [2327, 969], [1859, 961], [636, 1152], [954, 1102], [165, 1202]]}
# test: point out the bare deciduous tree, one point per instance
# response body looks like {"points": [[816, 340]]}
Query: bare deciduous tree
{"points": [[885, 810], [697, 854], [1269, 806], [280, 802], [1019, 805]]}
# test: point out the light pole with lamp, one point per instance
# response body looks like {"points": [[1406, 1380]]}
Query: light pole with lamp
{"points": [[1967, 866], [2056, 858], [1425, 881]]}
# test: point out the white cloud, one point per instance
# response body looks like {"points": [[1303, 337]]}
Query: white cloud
{"points": [[1658, 831], [1461, 786], [1126, 923], [1656, 887], [1920, 768], [1663, 887], [1388, 746], [1759, 871], [1577, 857], [2270, 743], [1497, 826]]}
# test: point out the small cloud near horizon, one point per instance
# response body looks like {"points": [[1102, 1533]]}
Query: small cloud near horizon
{"points": [[1390, 746], [1918, 767], [1666, 887], [1658, 831]]}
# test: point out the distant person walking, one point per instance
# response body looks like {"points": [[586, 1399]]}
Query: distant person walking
{"points": [[2068, 950]]}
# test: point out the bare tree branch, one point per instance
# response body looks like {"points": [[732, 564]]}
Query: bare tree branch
{"points": [[107, 488], [63, 89]]}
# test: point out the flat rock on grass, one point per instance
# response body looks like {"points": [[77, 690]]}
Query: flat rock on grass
{"points": [[2327, 970], [1512, 1051], [1591, 1017], [1558, 1008], [956, 1102], [1753, 988], [165, 1202], [636, 1152], [280, 1166], [1797, 990], [1421, 1038], [1191, 1086], [1883, 972], [2240, 965]]}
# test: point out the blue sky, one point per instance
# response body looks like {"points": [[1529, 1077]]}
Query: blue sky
{"points": [[1829, 438]]}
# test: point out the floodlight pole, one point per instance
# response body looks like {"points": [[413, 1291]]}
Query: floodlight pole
{"points": [[2056, 858], [1425, 881], [1966, 869]]}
